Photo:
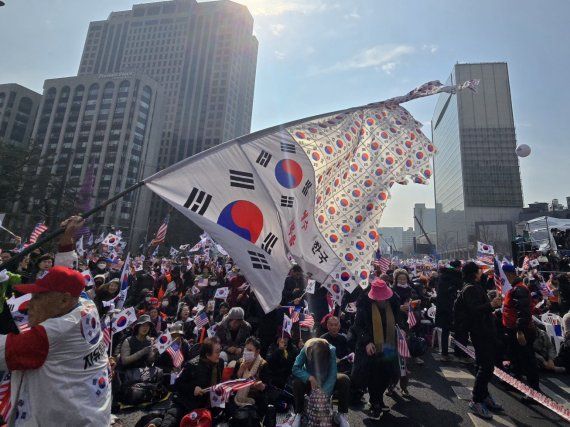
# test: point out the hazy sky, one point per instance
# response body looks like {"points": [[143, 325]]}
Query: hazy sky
{"points": [[317, 56]]}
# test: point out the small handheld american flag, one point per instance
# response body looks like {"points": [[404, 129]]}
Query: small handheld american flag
{"points": [[411, 318], [307, 321], [201, 319], [161, 232], [176, 356], [5, 403], [38, 230]]}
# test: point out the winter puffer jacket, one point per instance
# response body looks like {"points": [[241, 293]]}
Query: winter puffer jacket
{"points": [[517, 308]]}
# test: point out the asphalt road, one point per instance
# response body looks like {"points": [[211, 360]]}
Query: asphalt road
{"points": [[440, 395]]}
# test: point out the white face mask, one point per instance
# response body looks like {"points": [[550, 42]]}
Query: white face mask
{"points": [[101, 266], [248, 356], [165, 303]]}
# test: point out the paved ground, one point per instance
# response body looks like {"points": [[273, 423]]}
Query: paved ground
{"points": [[440, 396]]}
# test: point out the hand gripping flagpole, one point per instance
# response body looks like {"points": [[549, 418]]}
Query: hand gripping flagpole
{"points": [[50, 236], [7, 323]]}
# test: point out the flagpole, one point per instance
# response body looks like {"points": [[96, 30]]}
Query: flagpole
{"points": [[50, 236]]}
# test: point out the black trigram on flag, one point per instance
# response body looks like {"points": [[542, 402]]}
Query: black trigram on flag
{"points": [[263, 158], [268, 243], [241, 179], [287, 202], [287, 147], [306, 188], [258, 261], [198, 201]]}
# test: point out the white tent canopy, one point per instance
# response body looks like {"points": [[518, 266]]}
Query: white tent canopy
{"points": [[540, 230]]}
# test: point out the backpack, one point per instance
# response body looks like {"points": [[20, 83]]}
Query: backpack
{"points": [[137, 394], [461, 321]]}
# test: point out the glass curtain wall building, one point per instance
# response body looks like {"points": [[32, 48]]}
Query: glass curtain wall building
{"points": [[478, 190]]}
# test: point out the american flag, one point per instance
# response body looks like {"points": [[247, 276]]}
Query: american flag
{"points": [[307, 321], [381, 262], [220, 393], [294, 313], [236, 385], [38, 230], [403, 350], [411, 318], [201, 319], [5, 404], [161, 233], [176, 356], [106, 329], [499, 278], [526, 263]]}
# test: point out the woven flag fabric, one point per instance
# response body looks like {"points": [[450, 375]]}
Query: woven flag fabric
{"points": [[312, 190], [201, 319], [307, 321], [123, 320], [122, 296], [5, 396], [176, 356], [37, 232], [161, 232], [411, 318]]}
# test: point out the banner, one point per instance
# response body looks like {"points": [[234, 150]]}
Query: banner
{"points": [[313, 189]]}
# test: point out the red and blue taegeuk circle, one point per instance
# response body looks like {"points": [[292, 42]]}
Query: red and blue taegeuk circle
{"points": [[288, 173], [121, 321], [243, 218], [344, 276], [102, 382]]}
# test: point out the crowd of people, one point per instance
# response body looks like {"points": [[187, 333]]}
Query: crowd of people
{"points": [[300, 358]]}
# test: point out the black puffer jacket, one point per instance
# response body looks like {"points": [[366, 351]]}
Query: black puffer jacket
{"points": [[477, 311], [449, 282], [197, 373]]}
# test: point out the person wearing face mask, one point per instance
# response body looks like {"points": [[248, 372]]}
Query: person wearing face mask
{"points": [[200, 373], [252, 365], [233, 331], [100, 267]]}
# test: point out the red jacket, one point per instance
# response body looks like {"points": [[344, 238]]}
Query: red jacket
{"points": [[517, 308]]}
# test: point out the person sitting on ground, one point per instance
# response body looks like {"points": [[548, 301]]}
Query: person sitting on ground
{"points": [[252, 365], [232, 331], [43, 264], [315, 368], [339, 342], [201, 373], [138, 351], [545, 351], [104, 294], [172, 360], [281, 357], [158, 323]]}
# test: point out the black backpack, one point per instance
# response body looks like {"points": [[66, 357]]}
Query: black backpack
{"points": [[461, 321], [140, 393]]}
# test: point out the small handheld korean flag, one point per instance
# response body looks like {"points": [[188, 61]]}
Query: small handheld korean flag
{"points": [[124, 283], [111, 240], [89, 282], [310, 289], [163, 341], [123, 320], [287, 325], [79, 247], [336, 292], [484, 248], [222, 293]]}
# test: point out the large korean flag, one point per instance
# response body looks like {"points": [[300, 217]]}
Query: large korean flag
{"points": [[313, 189]]}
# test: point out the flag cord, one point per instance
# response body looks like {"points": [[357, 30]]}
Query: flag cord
{"points": [[12, 262]]}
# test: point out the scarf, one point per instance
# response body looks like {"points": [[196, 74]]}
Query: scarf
{"points": [[242, 398], [378, 327]]}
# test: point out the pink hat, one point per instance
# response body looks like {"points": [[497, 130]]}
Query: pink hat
{"points": [[379, 290]]}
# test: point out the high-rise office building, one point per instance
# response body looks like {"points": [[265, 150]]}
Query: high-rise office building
{"points": [[99, 128], [18, 108], [203, 54], [478, 191]]}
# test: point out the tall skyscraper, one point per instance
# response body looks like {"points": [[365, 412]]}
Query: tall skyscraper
{"points": [[98, 128], [203, 54], [18, 108], [478, 191]]}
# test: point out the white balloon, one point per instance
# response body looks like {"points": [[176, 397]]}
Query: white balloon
{"points": [[523, 150]]}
